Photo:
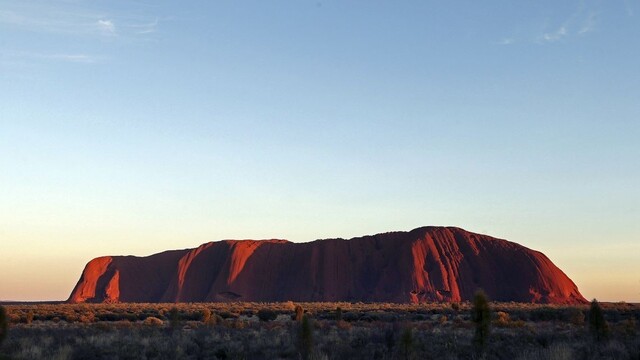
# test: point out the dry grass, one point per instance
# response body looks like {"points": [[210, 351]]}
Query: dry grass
{"points": [[365, 331]]}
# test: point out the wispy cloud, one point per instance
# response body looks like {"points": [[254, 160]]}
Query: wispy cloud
{"points": [[554, 35], [56, 57], [507, 41], [589, 24], [54, 22], [75, 58], [68, 21], [106, 27], [70, 31], [628, 8], [144, 28], [583, 20]]}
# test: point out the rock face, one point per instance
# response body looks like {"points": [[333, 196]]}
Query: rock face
{"points": [[425, 264]]}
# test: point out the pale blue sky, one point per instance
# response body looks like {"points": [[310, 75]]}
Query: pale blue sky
{"points": [[131, 127]]}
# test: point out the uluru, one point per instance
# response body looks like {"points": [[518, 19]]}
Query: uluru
{"points": [[424, 264]]}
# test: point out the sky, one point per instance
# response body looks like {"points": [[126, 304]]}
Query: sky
{"points": [[133, 127]]}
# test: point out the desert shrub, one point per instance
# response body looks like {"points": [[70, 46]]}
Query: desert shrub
{"points": [[235, 323], [153, 321], [575, 316], [4, 324], [351, 316], [299, 313], [338, 314], [105, 317], [206, 315], [267, 315], [629, 327], [559, 351], [228, 315], [503, 319], [289, 305], [29, 317], [545, 313], [174, 318], [598, 326], [343, 325], [455, 306], [87, 318], [481, 316]]}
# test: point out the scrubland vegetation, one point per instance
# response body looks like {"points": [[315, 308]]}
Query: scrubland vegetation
{"points": [[322, 331]]}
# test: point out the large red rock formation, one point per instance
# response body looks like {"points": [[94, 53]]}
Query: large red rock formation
{"points": [[425, 264]]}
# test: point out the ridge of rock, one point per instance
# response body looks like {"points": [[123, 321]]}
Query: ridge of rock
{"points": [[424, 264]]}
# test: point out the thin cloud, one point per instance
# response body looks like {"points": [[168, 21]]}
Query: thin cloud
{"points": [[74, 58], [107, 27], [628, 8], [589, 24], [555, 35], [65, 23], [145, 28], [507, 41], [580, 22], [56, 22], [58, 57], [74, 22]]}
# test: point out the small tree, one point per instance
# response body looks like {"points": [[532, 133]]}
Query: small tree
{"points": [[4, 324], [299, 313], [338, 313], [598, 326], [306, 337], [481, 316]]}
